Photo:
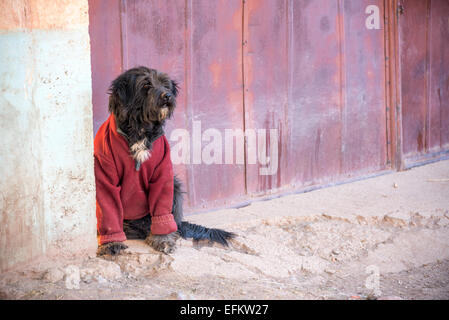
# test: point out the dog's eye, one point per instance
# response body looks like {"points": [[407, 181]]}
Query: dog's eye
{"points": [[147, 86]]}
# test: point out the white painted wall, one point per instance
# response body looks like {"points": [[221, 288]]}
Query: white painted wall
{"points": [[47, 186]]}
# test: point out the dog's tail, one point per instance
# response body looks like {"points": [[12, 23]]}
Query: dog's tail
{"points": [[197, 232], [191, 230]]}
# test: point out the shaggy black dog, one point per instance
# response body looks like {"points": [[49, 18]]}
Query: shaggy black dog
{"points": [[141, 99]]}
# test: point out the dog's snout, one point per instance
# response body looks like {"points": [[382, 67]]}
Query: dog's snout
{"points": [[166, 97]]}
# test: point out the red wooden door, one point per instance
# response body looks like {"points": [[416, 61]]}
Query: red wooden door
{"points": [[309, 73], [424, 58]]}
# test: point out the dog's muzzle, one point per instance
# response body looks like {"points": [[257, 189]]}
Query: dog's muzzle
{"points": [[163, 113], [166, 97]]}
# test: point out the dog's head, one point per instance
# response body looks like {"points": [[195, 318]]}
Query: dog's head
{"points": [[144, 95]]}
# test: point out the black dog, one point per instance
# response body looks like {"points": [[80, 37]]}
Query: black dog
{"points": [[141, 99]]}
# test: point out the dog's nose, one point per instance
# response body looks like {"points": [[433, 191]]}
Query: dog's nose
{"points": [[167, 97]]}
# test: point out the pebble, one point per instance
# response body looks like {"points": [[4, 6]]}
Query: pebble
{"points": [[72, 277], [108, 270], [53, 275], [180, 296], [330, 271], [101, 280]]}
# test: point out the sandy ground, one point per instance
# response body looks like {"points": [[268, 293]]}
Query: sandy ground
{"points": [[384, 237]]}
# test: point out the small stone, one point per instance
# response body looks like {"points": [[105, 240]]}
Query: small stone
{"points": [[395, 185], [111, 271], [443, 222], [72, 277], [336, 252], [101, 280], [180, 296], [88, 279], [372, 296], [108, 270], [53, 275], [330, 271], [143, 258], [86, 275]]}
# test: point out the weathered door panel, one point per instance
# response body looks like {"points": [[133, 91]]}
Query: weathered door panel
{"points": [[424, 48], [216, 97], [106, 53], [315, 72], [439, 76], [266, 88], [153, 35], [413, 42], [314, 149], [364, 132], [181, 39]]}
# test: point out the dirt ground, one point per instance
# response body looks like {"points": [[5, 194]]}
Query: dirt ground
{"points": [[382, 238]]}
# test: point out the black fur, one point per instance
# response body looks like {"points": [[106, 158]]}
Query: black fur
{"points": [[140, 229], [194, 231], [112, 248], [137, 99]]}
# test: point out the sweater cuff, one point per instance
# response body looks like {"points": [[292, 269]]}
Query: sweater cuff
{"points": [[115, 237], [163, 224]]}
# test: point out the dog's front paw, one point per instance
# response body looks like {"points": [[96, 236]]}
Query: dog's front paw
{"points": [[164, 243], [112, 248]]}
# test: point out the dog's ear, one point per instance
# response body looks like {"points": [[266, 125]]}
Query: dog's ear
{"points": [[123, 88], [119, 95], [117, 109], [114, 104], [175, 88]]}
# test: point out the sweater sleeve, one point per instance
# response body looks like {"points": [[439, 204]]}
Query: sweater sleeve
{"points": [[109, 207], [160, 196]]}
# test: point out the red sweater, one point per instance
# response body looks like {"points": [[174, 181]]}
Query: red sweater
{"points": [[123, 192]]}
